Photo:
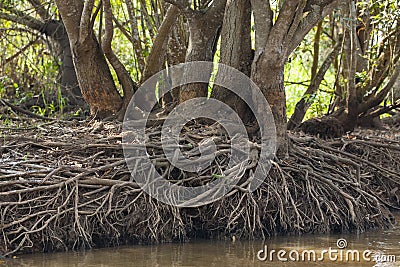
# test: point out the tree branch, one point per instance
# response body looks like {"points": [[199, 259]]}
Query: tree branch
{"points": [[20, 17], [307, 99], [20, 51], [263, 16], [157, 55], [85, 20], [318, 13], [380, 96], [109, 27], [123, 30], [296, 21], [381, 111], [134, 37], [282, 24], [39, 8], [128, 85], [183, 7]]}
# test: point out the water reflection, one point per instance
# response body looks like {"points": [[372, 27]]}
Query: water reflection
{"points": [[212, 253]]}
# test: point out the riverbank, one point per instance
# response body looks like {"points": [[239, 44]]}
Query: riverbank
{"points": [[65, 185], [228, 253]]}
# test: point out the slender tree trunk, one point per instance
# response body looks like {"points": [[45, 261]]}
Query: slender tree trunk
{"points": [[155, 61], [351, 67], [69, 81], [317, 40], [124, 77], [306, 101]]}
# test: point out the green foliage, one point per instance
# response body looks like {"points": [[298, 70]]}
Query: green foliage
{"points": [[298, 78], [34, 70]]}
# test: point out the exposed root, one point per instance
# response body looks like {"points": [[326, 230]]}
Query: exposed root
{"points": [[325, 127], [67, 187]]}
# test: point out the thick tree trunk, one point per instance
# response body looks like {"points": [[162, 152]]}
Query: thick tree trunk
{"points": [[270, 80], [204, 30], [204, 33], [236, 51], [177, 43], [275, 41], [95, 80], [176, 53], [94, 76]]}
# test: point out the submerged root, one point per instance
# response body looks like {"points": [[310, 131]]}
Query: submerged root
{"points": [[67, 186]]}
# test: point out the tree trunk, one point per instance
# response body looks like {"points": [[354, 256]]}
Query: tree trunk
{"points": [[176, 53], [156, 59], [236, 51], [351, 65], [204, 30], [95, 80], [68, 79], [177, 42], [270, 79], [276, 39], [204, 33], [94, 76]]}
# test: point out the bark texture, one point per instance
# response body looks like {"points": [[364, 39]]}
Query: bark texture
{"points": [[95, 78], [236, 51], [204, 29], [275, 41], [93, 73]]}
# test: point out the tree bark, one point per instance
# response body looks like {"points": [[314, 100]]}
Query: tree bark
{"points": [[236, 51], [204, 30], [94, 76], [176, 53], [177, 42], [124, 78], [351, 67], [270, 79], [95, 79], [68, 80], [317, 40], [156, 59], [274, 43]]}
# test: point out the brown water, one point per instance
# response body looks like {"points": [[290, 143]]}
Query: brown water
{"points": [[240, 253]]}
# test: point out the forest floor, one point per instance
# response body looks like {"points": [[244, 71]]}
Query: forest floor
{"points": [[65, 185]]}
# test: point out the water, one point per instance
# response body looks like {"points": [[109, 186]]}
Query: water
{"points": [[240, 253]]}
